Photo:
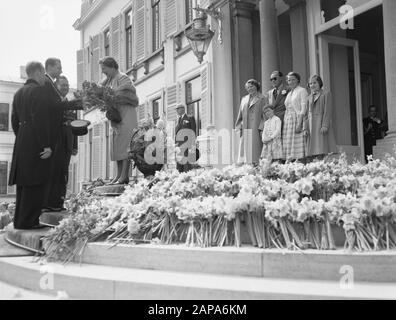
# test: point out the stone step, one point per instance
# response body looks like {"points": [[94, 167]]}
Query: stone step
{"points": [[27, 239], [247, 261], [103, 282], [53, 218]]}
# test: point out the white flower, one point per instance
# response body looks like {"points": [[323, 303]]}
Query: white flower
{"points": [[133, 226]]}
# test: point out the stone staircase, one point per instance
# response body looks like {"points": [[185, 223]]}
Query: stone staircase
{"points": [[177, 272]]}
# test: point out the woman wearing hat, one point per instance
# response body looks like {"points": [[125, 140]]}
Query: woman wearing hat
{"points": [[250, 123], [127, 106]]}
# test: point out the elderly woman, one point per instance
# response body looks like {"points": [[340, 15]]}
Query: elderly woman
{"points": [[294, 141], [321, 139], [250, 123], [127, 103]]}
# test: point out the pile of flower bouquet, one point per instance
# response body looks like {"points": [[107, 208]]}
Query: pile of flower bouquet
{"points": [[293, 206]]}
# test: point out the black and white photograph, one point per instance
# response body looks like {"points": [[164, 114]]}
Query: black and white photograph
{"points": [[197, 155]]}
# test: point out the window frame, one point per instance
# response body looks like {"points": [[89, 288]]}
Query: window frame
{"points": [[6, 177], [197, 111], [105, 43], [156, 36], [188, 11], [128, 46], [9, 127]]}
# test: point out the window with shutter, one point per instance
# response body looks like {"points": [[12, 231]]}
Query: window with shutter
{"points": [[97, 151], [129, 38], [115, 50], [155, 24], [106, 43], [81, 159], [80, 68], [188, 7], [170, 17], [140, 29], [205, 97], [142, 112], [171, 102], [4, 173], [95, 58]]}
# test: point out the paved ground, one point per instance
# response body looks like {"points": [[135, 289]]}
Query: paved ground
{"points": [[8, 292]]}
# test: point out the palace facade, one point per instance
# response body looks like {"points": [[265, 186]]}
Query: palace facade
{"points": [[351, 44]]}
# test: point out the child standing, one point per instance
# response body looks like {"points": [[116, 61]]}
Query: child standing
{"points": [[272, 137]]}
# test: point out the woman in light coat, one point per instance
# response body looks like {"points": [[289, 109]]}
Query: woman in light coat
{"points": [[321, 138], [250, 123], [127, 103]]}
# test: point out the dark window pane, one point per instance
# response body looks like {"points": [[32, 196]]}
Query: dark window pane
{"points": [[4, 116], [156, 110], [189, 11], [156, 24], [3, 177]]}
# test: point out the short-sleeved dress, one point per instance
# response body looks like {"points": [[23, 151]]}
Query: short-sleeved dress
{"points": [[294, 144], [272, 131], [122, 132]]}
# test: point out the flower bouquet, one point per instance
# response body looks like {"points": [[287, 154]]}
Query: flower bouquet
{"points": [[103, 98]]}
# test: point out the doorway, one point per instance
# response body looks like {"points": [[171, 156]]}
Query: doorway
{"points": [[352, 65]]}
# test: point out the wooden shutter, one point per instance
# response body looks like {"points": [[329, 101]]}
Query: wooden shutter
{"points": [[81, 158], [10, 189], [95, 58], [171, 102], [205, 96], [140, 29], [97, 151], [170, 17], [80, 68], [87, 62], [142, 111], [115, 40]]}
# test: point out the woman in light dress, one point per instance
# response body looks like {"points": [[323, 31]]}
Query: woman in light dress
{"points": [[294, 137], [272, 137], [127, 103]]}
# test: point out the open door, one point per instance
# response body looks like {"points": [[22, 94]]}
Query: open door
{"points": [[340, 68]]}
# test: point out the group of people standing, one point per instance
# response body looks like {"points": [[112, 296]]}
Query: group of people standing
{"points": [[44, 142], [287, 123]]}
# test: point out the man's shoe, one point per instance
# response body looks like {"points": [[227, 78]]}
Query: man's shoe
{"points": [[54, 209], [39, 226]]}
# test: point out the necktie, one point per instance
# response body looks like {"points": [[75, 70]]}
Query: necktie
{"points": [[276, 93]]}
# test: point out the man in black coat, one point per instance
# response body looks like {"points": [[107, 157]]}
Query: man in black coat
{"points": [[54, 198], [32, 151], [186, 139]]}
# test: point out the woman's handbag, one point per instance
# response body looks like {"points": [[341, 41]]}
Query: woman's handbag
{"points": [[113, 115]]}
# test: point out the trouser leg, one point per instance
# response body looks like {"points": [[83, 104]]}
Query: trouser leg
{"points": [[28, 206]]}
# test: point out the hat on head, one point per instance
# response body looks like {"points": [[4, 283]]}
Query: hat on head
{"points": [[181, 106]]}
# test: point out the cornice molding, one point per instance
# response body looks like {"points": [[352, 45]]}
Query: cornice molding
{"points": [[80, 22]]}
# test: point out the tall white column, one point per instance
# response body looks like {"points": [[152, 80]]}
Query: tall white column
{"points": [[269, 40]]}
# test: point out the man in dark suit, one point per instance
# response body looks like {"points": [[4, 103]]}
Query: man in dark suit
{"points": [[53, 200], [32, 150], [185, 139], [277, 95], [67, 147]]}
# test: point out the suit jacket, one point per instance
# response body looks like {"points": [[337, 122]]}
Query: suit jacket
{"points": [[251, 116], [278, 103], [31, 124], [186, 122], [56, 109]]}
